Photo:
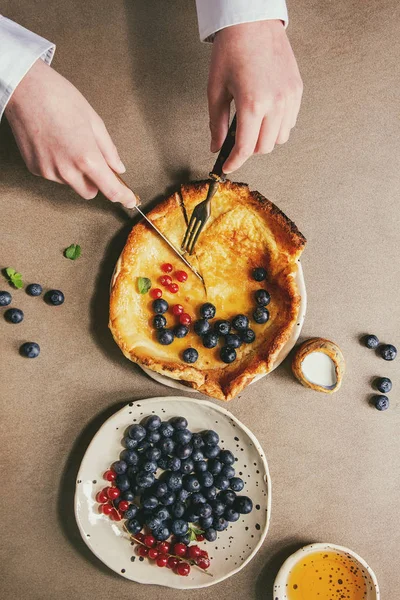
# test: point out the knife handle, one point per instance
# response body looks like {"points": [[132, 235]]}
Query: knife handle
{"points": [[225, 151]]}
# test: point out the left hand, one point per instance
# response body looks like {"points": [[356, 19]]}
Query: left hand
{"points": [[253, 64]]}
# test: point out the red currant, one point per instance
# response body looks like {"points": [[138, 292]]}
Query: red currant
{"points": [[177, 309], [194, 551], [114, 515], [165, 280], [166, 267], [173, 288], [200, 538], [203, 563], [110, 475], [156, 293], [172, 562], [180, 549], [113, 493], [183, 569], [164, 547], [204, 553], [123, 505], [142, 551], [139, 537], [153, 553], [149, 541], [162, 560], [107, 509], [185, 319], [101, 497], [181, 276]]}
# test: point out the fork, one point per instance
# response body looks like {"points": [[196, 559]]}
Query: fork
{"points": [[201, 213]]}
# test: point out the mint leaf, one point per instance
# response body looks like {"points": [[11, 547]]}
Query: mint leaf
{"points": [[195, 530], [192, 536], [144, 284], [15, 278], [73, 252]]}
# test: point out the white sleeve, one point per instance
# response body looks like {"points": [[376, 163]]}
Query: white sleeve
{"points": [[214, 15], [19, 49]]}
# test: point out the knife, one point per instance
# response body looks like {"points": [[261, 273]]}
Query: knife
{"points": [[170, 244]]}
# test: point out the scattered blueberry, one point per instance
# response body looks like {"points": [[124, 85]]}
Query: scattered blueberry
{"points": [[228, 472], [34, 289], [166, 446], [210, 493], [210, 437], [5, 298], [205, 510], [191, 483], [160, 306], [233, 340], [201, 466], [259, 274], [178, 510], [159, 322], [14, 315], [166, 430], [129, 496], [179, 527], [206, 479], [183, 436], [226, 457], [131, 512], [211, 451], [190, 355], [161, 534], [218, 507], [123, 483], [227, 354], [137, 432], [184, 539], [371, 341], [215, 467], [236, 484], [150, 466], [231, 515], [221, 482], [222, 327], [145, 480], [153, 437], [262, 297], [381, 402], [168, 499], [180, 331], [153, 522], [179, 423], [243, 505], [174, 463], [183, 450], [197, 440], [30, 349], [210, 339], [174, 481], [129, 443], [54, 297], [133, 526], [261, 315], [130, 457], [165, 336], [201, 326], [388, 352], [220, 524], [150, 503], [227, 497], [210, 534], [240, 322], [162, 514], [119, 467], [383, 384], [187, 466], [248, 336], [152, 423], [208, 310], [206, 522]]}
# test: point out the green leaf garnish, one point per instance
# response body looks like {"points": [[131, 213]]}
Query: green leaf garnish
{"points": [[194, 531], [15, 278], [144, 284], [73, 251]]}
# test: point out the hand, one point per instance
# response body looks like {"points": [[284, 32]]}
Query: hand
{"points": [[253, 64], [62, 138]]}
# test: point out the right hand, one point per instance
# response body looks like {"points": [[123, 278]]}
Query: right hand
{"points": [[62, 138]]}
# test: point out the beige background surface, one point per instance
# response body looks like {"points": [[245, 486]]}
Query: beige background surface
{"points": [[334, 461]]}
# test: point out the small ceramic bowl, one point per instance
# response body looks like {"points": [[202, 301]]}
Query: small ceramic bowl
{"points": [[281, 581]]}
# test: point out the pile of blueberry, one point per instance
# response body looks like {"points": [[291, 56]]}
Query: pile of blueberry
{"points": [[16, 315], [382, 384], [172, 482]]}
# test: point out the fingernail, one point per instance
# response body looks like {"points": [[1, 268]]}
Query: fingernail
{"points": [[213, 146], [121, 167]]}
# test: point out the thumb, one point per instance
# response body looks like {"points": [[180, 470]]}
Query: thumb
{"points": [[107, 146], [218, 108]]}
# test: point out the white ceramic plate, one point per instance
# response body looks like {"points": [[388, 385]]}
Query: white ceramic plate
{"points": [[299, 278], [233, 549]]}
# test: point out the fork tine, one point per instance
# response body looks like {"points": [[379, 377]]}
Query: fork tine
{"points": [[192, 224], [195, 236]]}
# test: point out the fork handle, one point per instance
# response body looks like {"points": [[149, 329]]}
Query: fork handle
{"points": [[226, 149]]}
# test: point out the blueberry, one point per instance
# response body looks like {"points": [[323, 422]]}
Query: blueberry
{"points": [[218, 507], [142, 446], [259, 274], [191, 483], [167, 446], [131, 512], [119, 467], [14, 315], [34, 289], [174, 463], [248, 336], [129, 443], [210, 534], [153, 522], [231, 515], [123, 483], [208, 310], [182, 495], [236, 484], [179, 423], [144, 479], [190, 355], [129, 496], [226, 457], [233, 340], [130, 457], [222, 483], [227, 354], [168, 499], [180, 331], [183, 436], [201, 326], [153, 453], [240, 322], [162, 534], [184, 539], [215, 467], [262, 297], [210, 437], [150, 466], [227, 497], [261, 315], [5, 298], [222, 327], [173, 481], [183, 450], [228, 472], [163, 463], [210, 339], [54, 297], [153, 436], [160, 489], [197, 456], [205, 510], [206, 522], [162, 514], [159, 322], [371, 341], [381, 402], [150, 503], [211, 451], [30, 350], [383, 384], [192, 515], [152, 423], [131, 472], [178, 510], [243, 505], [137, 432], [187, 466], [116, 502], [197, 440], [210, 493], [388, 352], [166, 430], [197, 498], [206, 479], [160, 306], [201, 466], [220, 524], [165, 336], [179, 527], [133, 526]]}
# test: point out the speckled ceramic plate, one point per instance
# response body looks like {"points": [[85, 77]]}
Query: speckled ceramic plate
{"points": [[299, 278], [233, 549]]}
